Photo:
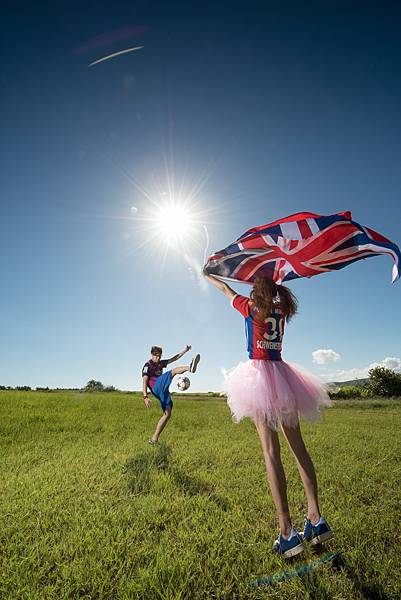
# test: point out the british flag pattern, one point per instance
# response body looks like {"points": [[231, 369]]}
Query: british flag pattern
{"points": [[301, 245]]}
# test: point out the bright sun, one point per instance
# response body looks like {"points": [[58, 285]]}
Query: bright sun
{"points": [[174, 223], [173, 219]]}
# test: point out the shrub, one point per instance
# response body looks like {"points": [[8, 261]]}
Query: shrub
{"points": [[384, 382], [366, 392], [348, 391], [94, 386]]}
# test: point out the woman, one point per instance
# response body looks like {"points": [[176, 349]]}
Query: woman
{"points": [[274, 393]]}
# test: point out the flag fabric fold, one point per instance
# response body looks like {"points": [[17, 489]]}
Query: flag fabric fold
{"points": [[301, 245]]}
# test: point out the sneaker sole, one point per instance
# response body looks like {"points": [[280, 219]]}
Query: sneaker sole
{"points": [[294, 551], [195, 363], [319, 539]]}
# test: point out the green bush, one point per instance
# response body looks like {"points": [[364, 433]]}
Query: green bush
{"points": [[348, 391], [94, 386], [366, 392], [384, 382]]}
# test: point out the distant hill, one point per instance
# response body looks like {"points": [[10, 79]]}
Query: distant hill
{"points": [[341, 384]]}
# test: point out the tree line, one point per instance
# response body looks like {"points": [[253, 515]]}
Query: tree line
{"points": [[382, 382], [91, 386]]}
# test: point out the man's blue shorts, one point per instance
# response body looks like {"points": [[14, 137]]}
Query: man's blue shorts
{"points": [[161, 390]]}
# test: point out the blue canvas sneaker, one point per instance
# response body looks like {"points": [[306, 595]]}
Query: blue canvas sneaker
{"points": [[318, 533], [290, 547]]}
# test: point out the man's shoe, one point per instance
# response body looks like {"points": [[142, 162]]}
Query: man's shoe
{"points": [[318, 533], [194, 363], [291, 547]]}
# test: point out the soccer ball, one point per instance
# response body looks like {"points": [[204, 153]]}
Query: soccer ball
{"points": [[183, 383]]}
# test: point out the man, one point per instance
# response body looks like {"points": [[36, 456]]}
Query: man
{"points": [[159, 383]]}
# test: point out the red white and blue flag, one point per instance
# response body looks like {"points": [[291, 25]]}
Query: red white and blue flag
{"points": [[301, 245]]}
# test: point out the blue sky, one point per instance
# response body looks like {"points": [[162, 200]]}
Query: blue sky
{"points": [[264, 110]]}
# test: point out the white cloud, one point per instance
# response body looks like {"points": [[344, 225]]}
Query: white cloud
{"points": [[324, 356], [389, 362]]}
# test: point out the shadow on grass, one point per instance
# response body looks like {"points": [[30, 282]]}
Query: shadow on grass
{"points": [[315, 585], [300, 570], [367, 588], [140, 469]]}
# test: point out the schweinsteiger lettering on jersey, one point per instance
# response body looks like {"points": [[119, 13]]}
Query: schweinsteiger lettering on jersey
{"points": [[268, 345]]}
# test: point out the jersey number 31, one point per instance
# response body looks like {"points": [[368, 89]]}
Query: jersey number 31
{"points": [[276, 327]]}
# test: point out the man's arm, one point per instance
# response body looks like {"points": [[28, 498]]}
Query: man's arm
{"points": [[220, 285], [146, 399], [179, 355]]}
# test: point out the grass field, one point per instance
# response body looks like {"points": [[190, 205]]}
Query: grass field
{"points": [[89, 510]]}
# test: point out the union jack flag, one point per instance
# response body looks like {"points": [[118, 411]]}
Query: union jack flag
{"points": [[301, 245]]}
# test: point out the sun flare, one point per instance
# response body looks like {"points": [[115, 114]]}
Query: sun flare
{"points": [[174, 223]]}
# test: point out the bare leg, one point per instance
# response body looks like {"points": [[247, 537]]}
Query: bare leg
{"points": [[162, 423], [185, 368], [305, 468], [167, 413], [275, 475], [179, 370]]}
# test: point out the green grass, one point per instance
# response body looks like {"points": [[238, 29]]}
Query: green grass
{"points": [[89, 510]]}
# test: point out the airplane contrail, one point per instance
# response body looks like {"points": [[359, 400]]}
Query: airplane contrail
{"points": [[99, 60]]}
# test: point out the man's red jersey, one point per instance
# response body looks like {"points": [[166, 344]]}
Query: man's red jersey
{"points": [[264, 338]]}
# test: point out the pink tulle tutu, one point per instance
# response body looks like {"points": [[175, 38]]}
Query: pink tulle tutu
{"points": [[274, 391]]}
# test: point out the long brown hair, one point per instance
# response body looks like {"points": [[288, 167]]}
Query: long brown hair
{"points": [[264, 294]]}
